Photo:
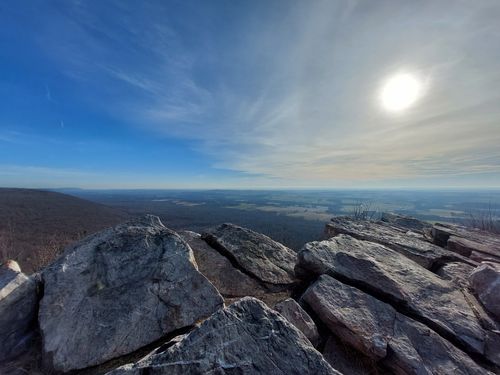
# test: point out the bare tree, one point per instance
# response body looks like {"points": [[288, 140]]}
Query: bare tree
{"points": [[364, 211], [7, 243], [487, 219]]}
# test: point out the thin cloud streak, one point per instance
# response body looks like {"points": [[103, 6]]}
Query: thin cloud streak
{"points": [[300, 101]]}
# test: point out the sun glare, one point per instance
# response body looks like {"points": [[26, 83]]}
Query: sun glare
{"points": [[400, 92]]}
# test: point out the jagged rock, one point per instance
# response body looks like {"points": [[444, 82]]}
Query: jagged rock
{"points": [[254, 254], [407, 222], [417, 249], [476, 244], [347, 360], [227, 278], [456, 273], [244, 338], [485, 280], [399, 281], [379, 331], [18, 306], [296, 315], [118, 290]]}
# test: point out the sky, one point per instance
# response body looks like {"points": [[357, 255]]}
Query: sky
{"points": [[248, 94]]}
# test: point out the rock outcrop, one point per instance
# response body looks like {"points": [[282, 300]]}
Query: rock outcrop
{"points": [[485, 281], [226, 277], [119, 290], [396, 280], [381, 333], [415, 247], [18, 307], [473, 243], [245, 338], [376, 297]]}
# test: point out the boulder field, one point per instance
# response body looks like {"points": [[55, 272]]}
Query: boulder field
{"points": [[394, 296]]}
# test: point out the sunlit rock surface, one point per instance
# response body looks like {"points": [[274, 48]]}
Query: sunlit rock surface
{"points": [[119, 290]]}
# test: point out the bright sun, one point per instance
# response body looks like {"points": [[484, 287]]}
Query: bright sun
{"points": [[400, 92]]}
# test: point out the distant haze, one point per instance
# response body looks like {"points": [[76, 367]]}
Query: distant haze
{"points": [[248, 94]]}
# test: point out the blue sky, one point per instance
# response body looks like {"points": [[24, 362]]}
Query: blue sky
{"points": [[247, 94]]}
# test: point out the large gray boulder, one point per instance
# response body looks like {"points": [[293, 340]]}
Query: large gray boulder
{"points": [[245, 338], [485, 281], [399, 281], [228, 279], [119, 290], [18, 306], [414, 247], [255, 254], [296, 315], [384, 335]]}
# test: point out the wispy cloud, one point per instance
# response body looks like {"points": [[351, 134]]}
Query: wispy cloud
{"points": [[292, 95]]}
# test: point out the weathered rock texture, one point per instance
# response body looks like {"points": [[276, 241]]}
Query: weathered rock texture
{"points": [[414, 247], [473, 243], [119, 290], [402, 283], [296, 315], [18, 307], [456, 273], [254, 254], [228, 279], [485, 280], [380, 299], [380, 332], [405, 222], [244, 338]]}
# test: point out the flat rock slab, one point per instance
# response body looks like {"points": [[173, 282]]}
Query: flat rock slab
{"points": [[254, 254], [296, 315], [380, 332], [474, 243], [399, 281], [18, 307], [118, 290], [244, 338], [417, 249], [406, 222]]}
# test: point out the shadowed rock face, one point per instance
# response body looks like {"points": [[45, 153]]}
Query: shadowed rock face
{"points": [[117, 291], [244, 338], [18, 306], [254, 253], [229, 280], [399, 281], [380, 332], [296, 315], [414, 247]]}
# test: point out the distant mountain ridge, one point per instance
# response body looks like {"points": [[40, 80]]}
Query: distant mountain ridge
{"points": [[35, 222]]}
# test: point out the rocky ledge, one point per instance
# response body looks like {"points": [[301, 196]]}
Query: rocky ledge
{"points": [[395, 296]]}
